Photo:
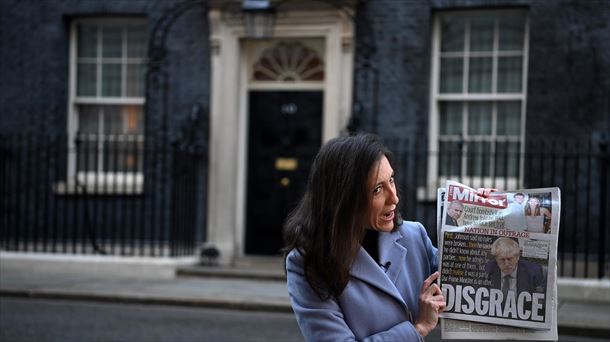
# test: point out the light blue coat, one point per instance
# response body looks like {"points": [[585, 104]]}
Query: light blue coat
{"points": [[376, 305]]}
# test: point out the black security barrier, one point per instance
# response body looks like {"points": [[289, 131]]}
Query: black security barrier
{"points": [[578, 167], [117, 195], [100, 195]]}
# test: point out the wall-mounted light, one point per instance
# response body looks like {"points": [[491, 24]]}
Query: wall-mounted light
{"points": [[259, 18]]}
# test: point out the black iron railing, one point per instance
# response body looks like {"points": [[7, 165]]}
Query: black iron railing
{"points": [[579, 168], [100, 195], [130, 198]]}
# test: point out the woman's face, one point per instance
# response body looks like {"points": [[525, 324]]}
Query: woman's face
{"points": [[534, 202], [383, 196]]}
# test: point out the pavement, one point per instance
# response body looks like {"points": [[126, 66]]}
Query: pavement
{"points": [[253, 283]]}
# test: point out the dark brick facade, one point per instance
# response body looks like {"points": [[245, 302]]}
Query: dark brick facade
{"points": [[34, 90], [568, 82], [35, 54], [568, 77]]}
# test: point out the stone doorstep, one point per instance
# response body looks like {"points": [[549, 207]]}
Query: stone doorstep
{"points": [[231, 272], [246, 267]]}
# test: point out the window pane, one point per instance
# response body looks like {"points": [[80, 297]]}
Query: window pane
{"points": [[480, 75], [481, 33], [479, 118], [88, 119], [136, 41], [124, 126], [450, 118], [509, 118], [451, 75], [112, 153], [123, 154], [450, 158], [478, 159], [112, 144], [126, 119], [87, 40], [87, 152], [511, 32], [138, 150], [132, 157], [135, 80], [112, 120], [507, 159], [452, 33], [509, 74], [86, 78], [87, 139], [112, 41], [111, 79], [132, 119]]}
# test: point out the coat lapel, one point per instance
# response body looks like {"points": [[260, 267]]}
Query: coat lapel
{"points": [[391, 250], [366, 269]]}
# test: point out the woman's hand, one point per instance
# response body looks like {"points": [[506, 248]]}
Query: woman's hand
{"points": [[485, 192], [431, 303]]}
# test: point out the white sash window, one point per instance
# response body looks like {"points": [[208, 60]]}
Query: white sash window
{"points": [[106, 124], [478, 97]]}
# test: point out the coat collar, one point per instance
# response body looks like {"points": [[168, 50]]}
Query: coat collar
{"points": [[366, 269], [391, 250]]}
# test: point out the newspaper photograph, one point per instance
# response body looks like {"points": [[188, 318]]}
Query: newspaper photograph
{"points": [[459, 329], [498, 257]]}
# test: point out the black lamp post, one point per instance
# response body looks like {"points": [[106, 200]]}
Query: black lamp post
{"points": [[259, 18]]}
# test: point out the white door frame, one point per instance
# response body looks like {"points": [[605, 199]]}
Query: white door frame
{"points": [[229, 117]]}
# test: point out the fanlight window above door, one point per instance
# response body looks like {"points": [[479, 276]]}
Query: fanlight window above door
{"points": [[289, 62]]}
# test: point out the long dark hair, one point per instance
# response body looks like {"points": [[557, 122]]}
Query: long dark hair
{"points": [[328, 225]]}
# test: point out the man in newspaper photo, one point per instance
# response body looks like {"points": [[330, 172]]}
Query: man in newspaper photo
{"points": [[454, 211], [508, 273], [515, 218]]}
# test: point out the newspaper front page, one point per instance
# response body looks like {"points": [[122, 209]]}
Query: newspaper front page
{"points": [[498, 263]]}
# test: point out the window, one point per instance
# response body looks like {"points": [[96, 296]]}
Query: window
{"points": [[479, 72], [289, 62], [108, 67]]}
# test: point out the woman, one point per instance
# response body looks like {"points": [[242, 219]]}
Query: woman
{"points": [[536, 216], [355, 270]]}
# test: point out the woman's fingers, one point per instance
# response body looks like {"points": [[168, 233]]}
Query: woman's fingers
{"points": [[431, 303], [442, 305], [431, 279], [434, 290], [485, 192], [431, 295]]}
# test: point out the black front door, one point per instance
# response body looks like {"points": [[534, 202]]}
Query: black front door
{"points": [[285, 135]]}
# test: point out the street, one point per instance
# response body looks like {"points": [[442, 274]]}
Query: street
{"points": [[23, 319], [58, 320]]}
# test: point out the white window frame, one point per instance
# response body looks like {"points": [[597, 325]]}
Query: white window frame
{"points": [[433, 179], [98, 182]]}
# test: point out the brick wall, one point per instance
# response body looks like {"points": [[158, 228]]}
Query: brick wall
{"points": [[569, 61]]}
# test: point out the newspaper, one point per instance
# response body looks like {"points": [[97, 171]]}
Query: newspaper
{"points": [[479, 304]]}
